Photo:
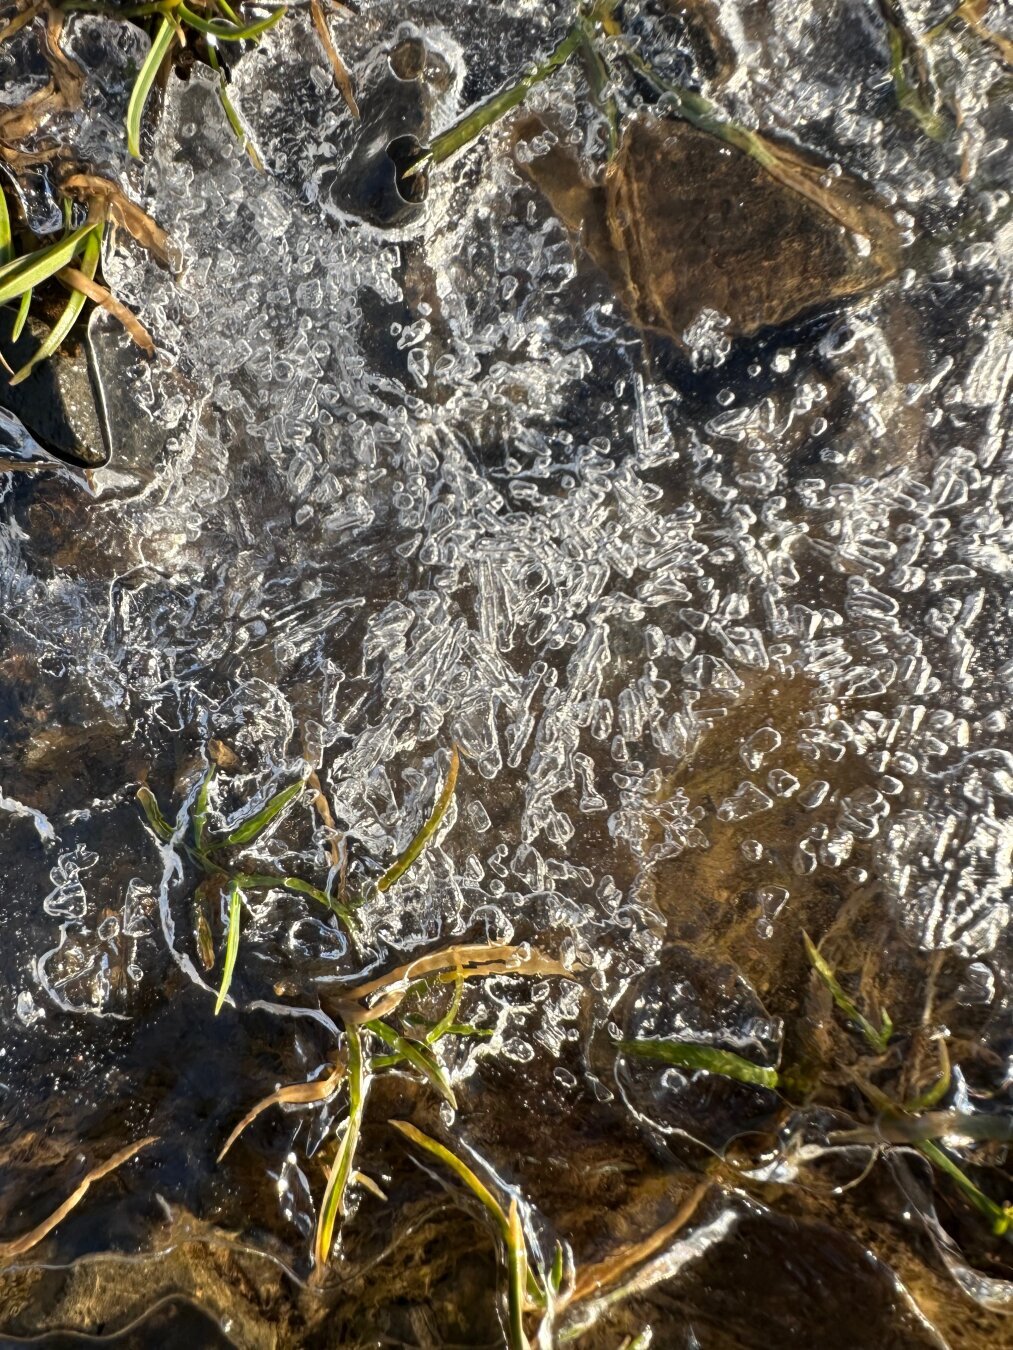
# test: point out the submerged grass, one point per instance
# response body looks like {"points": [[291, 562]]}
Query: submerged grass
{"points": [[689, 1055], [418, 843], [341, 1169], [14, 1247], [207, 851], [232, 943], [877, 1037]]}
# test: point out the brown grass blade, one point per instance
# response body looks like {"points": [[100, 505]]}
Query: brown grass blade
{"points": [[294, 1094], [19, 1245], [322, 807], [593, 1279], [341, 76], [75, 280], [20, 20], [122, 211], [471, 961]]}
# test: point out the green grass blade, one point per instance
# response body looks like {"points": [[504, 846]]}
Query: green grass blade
{"points": [[341, 1169], [251, 880], [687, 1055], [417, 1057], [229, 108], [460, 1169], [231, 945], [71, 311], [21, 274], [158, 822], [22, 315], [402, 863], [314, 892], [878, 1038], [475, 122], [163, 40], [558, 1269], [517, 1264], [999, 1216], [256, 825], [933, 1095], [227, 32], [6, 238], [448, 1019]]}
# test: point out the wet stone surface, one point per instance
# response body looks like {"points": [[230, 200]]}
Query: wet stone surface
{"points": [[685, 518]]}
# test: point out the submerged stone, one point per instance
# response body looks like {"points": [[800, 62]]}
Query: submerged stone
{"points": [[684, 222], [57, 402]]}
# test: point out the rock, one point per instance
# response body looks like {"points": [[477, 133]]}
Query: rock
{"points": [[685, 222], [57, 402]]}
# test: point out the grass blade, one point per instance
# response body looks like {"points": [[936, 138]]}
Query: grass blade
{"points": [[402, 863], [158, 822], [517, 1264], [229, 108], [19, 1245], [22, 315], [447, 1021], [933, 1095], [205, 942], [877, 1038], [231, 945], [256, 825], [341, 1169], [687, 1055], [314, 892], [341, 76], [21, 274], [475, 122], [227, 32], [999, 1216], [468, 961], [460, 1169], [417, 1057], [71, 311], [296, 1094], [163, 40], [77, 280], [260, 881], [6, 239]]}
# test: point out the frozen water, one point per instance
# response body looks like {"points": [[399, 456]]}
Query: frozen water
{"points": [[382, 491]]}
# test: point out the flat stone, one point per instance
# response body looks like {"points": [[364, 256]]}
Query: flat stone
{"points": [[685, 222], [57, 402]]}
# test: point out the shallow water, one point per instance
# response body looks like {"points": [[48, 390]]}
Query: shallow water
{"points": [[718, 623]]}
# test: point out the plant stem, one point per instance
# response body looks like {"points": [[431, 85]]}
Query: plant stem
{"points": [[474, 123]]}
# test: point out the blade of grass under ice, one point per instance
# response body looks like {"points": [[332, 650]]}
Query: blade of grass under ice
{"points": [[341, 1169], [231, 944], [878, 1038], [404, 860], [689, 1055]]}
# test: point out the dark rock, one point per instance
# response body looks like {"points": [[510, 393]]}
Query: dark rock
{"points": [[57, 402]]}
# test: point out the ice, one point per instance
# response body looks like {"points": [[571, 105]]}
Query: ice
{"points": [[400, 489]]}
